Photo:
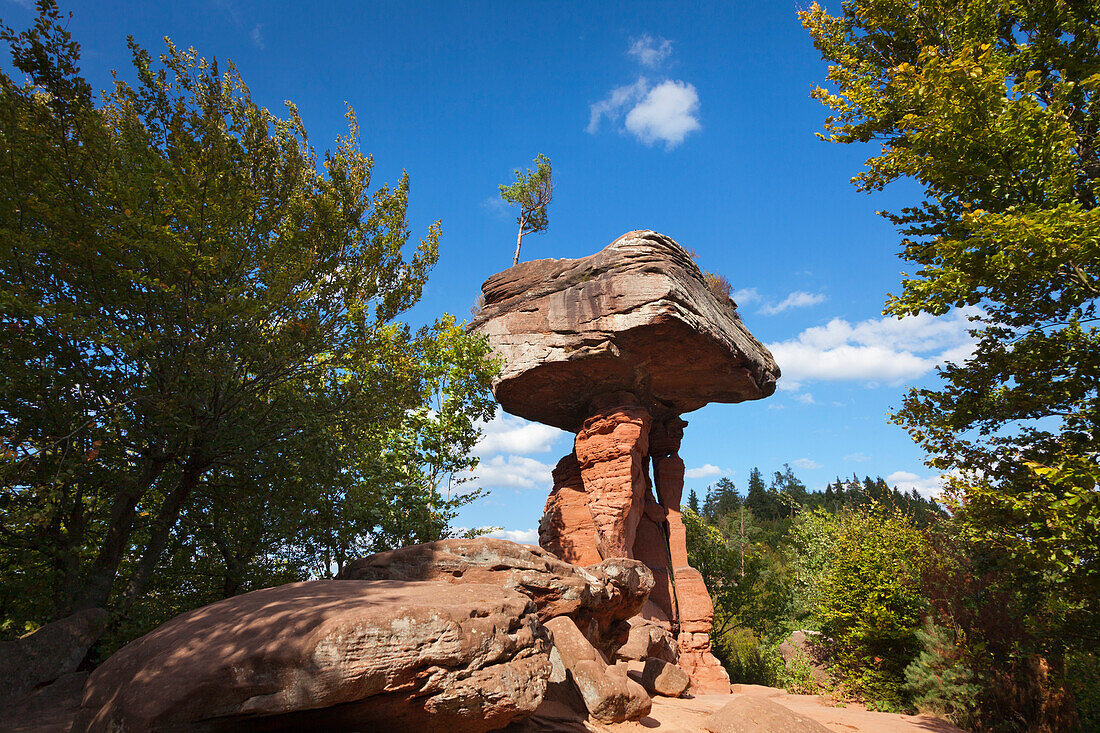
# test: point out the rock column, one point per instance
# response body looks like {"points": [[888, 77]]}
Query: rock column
{"points": [[693, 609], [611, 448], [603, 506]]}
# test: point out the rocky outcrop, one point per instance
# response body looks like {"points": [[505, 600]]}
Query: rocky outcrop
{"points": [[615, 347], [331, 655], [46, 654], [609, 695], [745, 714], [636, 316], [598, 598]]}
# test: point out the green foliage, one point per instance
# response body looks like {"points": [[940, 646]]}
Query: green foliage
{"points": [[533, 191], [204, 386], [1083, 676], [861, 572], [992, 108], [940, 680]]}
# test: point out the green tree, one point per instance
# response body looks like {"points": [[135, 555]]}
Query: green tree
{"points": [[198, 339], [992, 108], [858, 573], [759, 500], [722, 499], [693, 501], [532, 191]]}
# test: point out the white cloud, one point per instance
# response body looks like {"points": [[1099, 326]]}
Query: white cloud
{"points": [[744, 296], [618, 100], [805, 463], [888, 349], [257, 37], [508, 434], [650, 51], [797, 299], [522, 536], [513, 472], [857, 457], [805, 398], [664, 112], [703, 471], [667, 114], [928, 487]]}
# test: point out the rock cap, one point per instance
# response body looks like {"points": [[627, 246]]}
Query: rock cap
{"points": [[637, 316]]}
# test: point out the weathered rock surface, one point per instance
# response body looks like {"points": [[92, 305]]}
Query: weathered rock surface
{"points": [[745, 714], [47, 709], [609, 695], [46, 654], [647, 639], [636, 316], [330, 655], [658, 677], [615, 347], [598, 598]]}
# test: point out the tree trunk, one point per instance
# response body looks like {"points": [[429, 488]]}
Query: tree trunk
{"points": [[95, 588], [161, 532], [519, 240]]}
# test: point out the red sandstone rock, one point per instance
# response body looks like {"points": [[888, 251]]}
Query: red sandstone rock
{"points": [[598, 598], [610, 450], [609, 695], [746, 714], [44, 655], [658, 677], [567, 528], [636, 316], [330, 655], [615, 347]]}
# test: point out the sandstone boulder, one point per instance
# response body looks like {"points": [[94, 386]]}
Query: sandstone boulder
{"points": [[800, 649], [658, 677], [647, 639], [598, 598], [636, 316], [330, 655], [609, 695], [745, 714], [46, 654]]}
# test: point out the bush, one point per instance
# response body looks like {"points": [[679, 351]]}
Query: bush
{"points": [[940, 680], [869, 601]]}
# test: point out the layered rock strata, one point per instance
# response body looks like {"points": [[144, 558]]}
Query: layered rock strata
{"points": [[599, 598], [331, 655], [615, 347]]}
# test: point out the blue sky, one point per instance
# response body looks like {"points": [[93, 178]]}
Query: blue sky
{"points": [[692, 119]]}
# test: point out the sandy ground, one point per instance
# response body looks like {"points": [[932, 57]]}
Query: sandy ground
{"points": [[686, 716]]}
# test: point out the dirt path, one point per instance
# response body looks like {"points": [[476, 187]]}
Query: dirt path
{"points": [[671, 715]]}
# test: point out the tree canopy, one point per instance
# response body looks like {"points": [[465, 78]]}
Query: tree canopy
{"points": [[992, 108], [202, 366], [533, 191]]}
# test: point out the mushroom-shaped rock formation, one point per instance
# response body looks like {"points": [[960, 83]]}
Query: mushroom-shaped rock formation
{"points": [[637, 317], [615, 347]]}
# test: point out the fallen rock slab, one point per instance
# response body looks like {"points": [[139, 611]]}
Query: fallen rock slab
{"points": [[658, 677], [597, 598], [609, 695], [330, 655], [44, 655]]}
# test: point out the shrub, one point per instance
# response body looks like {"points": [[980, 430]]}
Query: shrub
{"points": [[870, 603], [940, 680]]}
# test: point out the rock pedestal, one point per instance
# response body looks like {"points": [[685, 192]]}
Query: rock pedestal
{"points": [[612, 507], [615, 347]]}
